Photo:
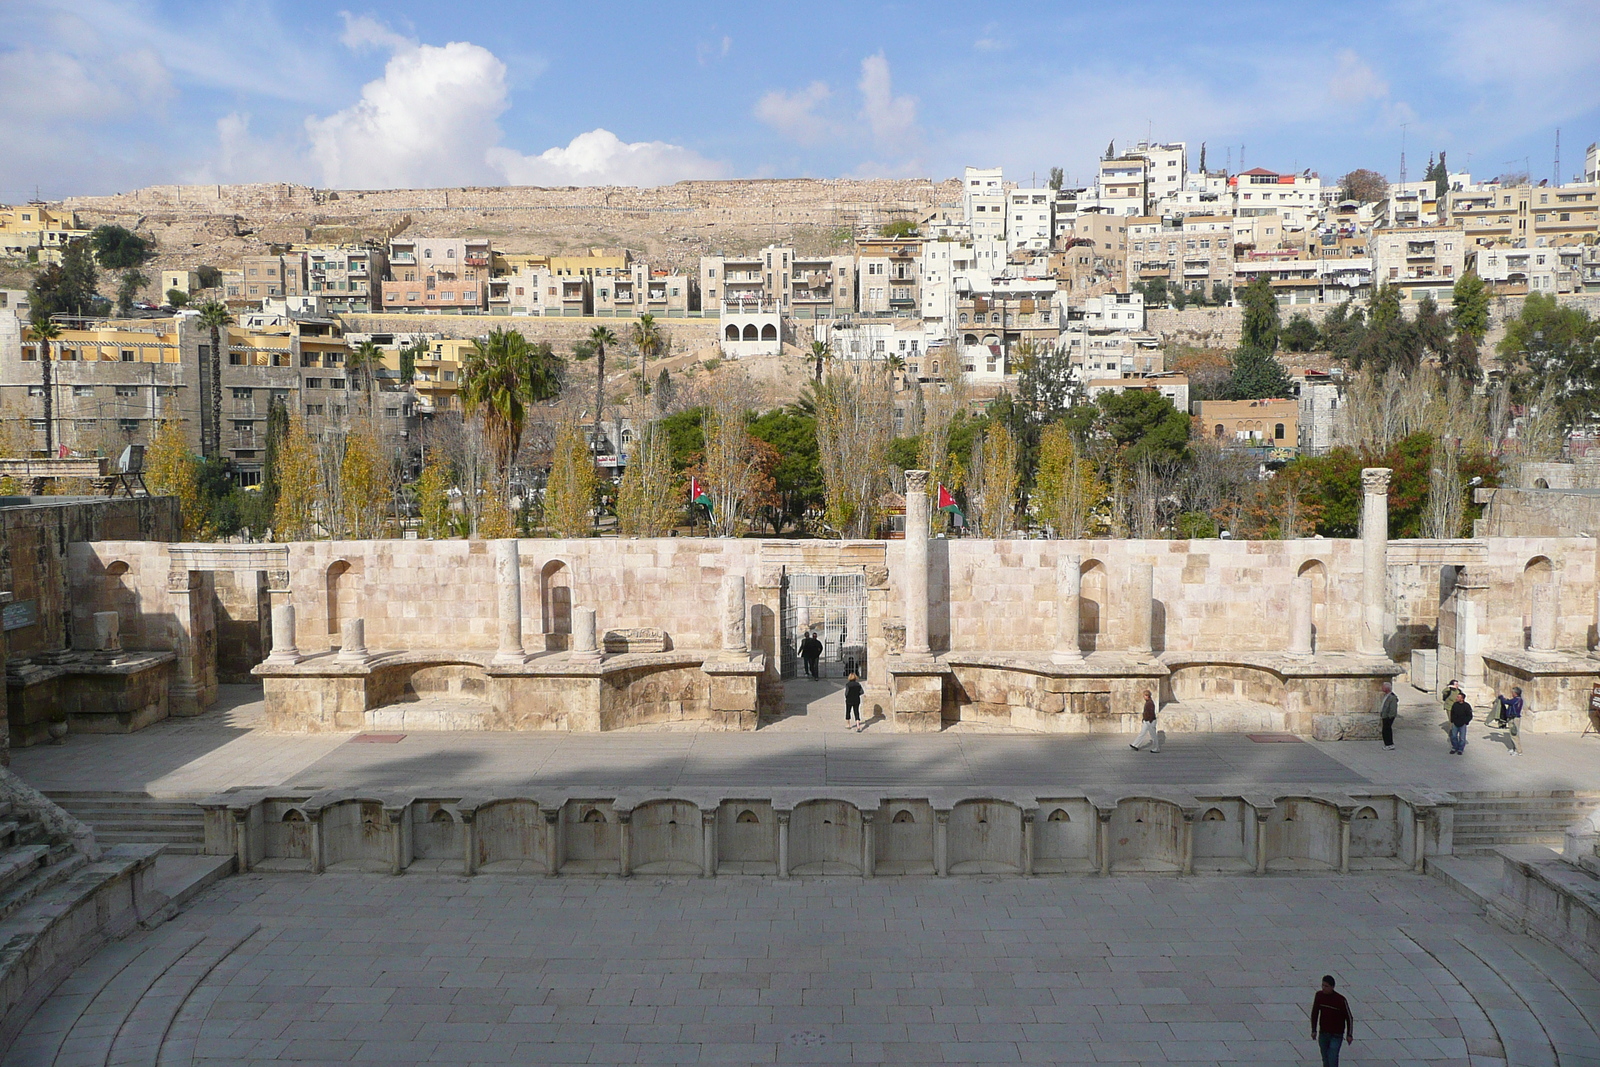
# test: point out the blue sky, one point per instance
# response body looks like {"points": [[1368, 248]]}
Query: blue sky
{"points": [[104, 95]]}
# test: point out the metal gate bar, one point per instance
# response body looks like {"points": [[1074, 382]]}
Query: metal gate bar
{"points": [[835, 605]]}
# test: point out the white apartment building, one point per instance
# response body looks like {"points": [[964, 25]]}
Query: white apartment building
{"points": [[1168, 171], [983, 203], [1106, 337], [1422, 261], [1029, 221], [1122, 188], [780, 279], [1298, 198], [1194, 253], [1558, 269]]}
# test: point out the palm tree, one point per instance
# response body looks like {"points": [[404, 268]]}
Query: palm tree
{"points": [[365, 359], [214, 317], [501, 375], [45, 331], [600, 336], [647, 339], [819, 352]]}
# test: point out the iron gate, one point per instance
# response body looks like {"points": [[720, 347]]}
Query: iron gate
{"points": [[835, 605]]}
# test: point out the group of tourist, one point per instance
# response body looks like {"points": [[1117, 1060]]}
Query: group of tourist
{"points": [[1508, 715], [810, 650]]}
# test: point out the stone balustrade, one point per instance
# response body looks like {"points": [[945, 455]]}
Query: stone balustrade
{"points": [[845, 832]]}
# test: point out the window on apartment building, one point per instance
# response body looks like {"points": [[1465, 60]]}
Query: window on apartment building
{"points": [[36, 390], [127, 390], [128, 425], [166, 391], [313, 383], [427, 253], [335, 383], [391, 413], [314, 409], [252, 272], [243, 426], [83, 390]]}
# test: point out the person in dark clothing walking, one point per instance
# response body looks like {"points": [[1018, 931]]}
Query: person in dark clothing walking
{"points": [[1331, 1022], [1511, 718], [1460, 716], [1148, 735], [810, 653], [1388, 710], [852, 699]]}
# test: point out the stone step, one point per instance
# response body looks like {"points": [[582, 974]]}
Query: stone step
{"points": [[1559, 1018], [1513, 1018], [19, 864], [41, 880]]}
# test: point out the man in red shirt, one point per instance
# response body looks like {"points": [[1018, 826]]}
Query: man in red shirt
{"points": [[1331, 1023]]}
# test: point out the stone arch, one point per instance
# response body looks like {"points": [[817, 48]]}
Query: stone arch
{"points": [[337, 589], [1277, 431], [904, 837], [288, 838], [731, 333], [1303, 833], [969, 339], [435, 837], [985, 837], [825, 838], [962, 318], [747, 837], [555, 605], [1224, 837], [1093, 589], [1214, 815], [666, 837], [1220, 430], [903, 815], [750, 333], [1366, 813], [1317, 571], [1146, 835], [1059, 815], [122, 597], [592, 838], [769, 332], [994, 317], [1540, 483]]}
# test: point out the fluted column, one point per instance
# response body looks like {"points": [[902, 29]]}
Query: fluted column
{"points": [[508, 600], [1069, 588], [1141, 607], [916, 564], [1300, 616], [1374, 558]]}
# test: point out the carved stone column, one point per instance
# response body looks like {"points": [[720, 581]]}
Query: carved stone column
{"points": [[1141, 607], [941, 843], [1300, 604], [869, 845], [625, 844], [1374, 558], [353, 641], [783, 844], [552, 842], [708, 843], [735, 642], [916, 565], [186, 695], [508, 603], [283, 646], [1029, 817], [469, 842], [1546, 613], [1069, 589]]}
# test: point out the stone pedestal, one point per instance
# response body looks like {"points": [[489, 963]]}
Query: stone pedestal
{"points": [[508, 601], [916, 566], [353, 641], [1374, 559], [583, 642], [916, 693], [107, 631], [1069, 587]]}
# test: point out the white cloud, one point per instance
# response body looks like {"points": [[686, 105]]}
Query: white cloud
{"points": [[794, 114], [430, 120], [1353, 82], [893, 119], [600, 157], [706, 51], [363, 31]]}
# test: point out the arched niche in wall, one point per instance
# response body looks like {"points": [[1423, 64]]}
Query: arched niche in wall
{"points": [[1091, 604], [1317, 571], [555, 605]]}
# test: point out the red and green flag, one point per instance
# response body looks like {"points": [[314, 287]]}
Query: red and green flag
{"points": [[697, 493], [946, 502]]}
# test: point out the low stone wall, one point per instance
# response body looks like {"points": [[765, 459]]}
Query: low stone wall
{"points": [[96, 698], [1551, 899], [844, 832], [1555, 695], [554, 691]]}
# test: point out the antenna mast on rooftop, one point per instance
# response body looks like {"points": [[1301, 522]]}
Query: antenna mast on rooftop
{"points": [[1556, 175]]}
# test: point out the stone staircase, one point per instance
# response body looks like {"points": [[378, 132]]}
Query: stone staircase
{"points": [[31, 862], [1487, 820], [138, 818]]}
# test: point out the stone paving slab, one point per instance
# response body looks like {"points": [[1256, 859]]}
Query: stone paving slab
{"points": [[433, 969], [228, 748]]}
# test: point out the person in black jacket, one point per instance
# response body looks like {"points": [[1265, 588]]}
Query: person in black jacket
{"points": [[1460, 716], [810, 652], [852, 700]]}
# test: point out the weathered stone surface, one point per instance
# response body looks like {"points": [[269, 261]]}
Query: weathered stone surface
{"points": [[637, 639]]}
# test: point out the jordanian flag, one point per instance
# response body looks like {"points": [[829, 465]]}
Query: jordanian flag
{"points": [[946, 502], [697, 493]]}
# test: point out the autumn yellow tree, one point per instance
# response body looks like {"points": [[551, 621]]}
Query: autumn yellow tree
{"points": [[569, 494], [854, 426], [363, 487], [433, 500], [172, 469], [645, 499], [1066, 491], [299, 485], [992, 478]]}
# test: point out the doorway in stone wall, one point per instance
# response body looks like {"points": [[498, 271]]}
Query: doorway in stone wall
{"points": [[835, 606]]}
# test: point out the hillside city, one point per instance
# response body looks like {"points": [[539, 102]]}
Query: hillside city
{"points": [[1175, 348]]}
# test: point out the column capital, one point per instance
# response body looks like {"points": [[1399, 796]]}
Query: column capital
{"points": [[1375, 480], [916, 481]]}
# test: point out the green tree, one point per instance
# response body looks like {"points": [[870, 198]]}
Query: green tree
{"points": [[1469, 307], [177, 298], [1257, 375], [46, 333], [68, 287], [500, 376], [118, 248], [208, 276], [1142, 422], [409, 355], [433, 500], [646, 497], [1260, 327], [1056, 178], [648, 339], [797, 476], [1556, 348], [819, 352], [128, 290], [277, 433], [897, 229], [1439, 175], [214, 317], [362, 366], [599, 338], [1300, 335], [569, 494]]}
